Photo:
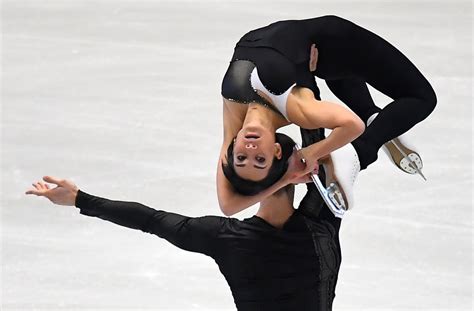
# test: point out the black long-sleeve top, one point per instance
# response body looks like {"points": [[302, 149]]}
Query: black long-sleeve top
{"points": [[345, 50], [266, 268]]}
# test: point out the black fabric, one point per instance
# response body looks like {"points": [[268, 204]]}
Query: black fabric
{"points": [[355, 92], [350, 56], [281, 36], [293, 268], [236, 85], [277, 73], [314, 208]]}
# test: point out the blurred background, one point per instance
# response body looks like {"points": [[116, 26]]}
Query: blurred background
{"points": [[123, 98]]}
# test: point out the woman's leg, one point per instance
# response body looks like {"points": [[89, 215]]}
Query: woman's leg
{"points": [[393, 74], [391, 121], [373, 60], [355, 94]]}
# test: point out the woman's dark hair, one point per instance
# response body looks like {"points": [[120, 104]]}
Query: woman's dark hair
{"points": [[277, 170]]}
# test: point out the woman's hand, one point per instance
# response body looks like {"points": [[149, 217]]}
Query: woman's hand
{"points": [[64, 194], [313, 61]]}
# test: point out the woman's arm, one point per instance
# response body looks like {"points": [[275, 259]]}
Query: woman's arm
{"points": [[231, 202], [307, 112], [192, 234]]}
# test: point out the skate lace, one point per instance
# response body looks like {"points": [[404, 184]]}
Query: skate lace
{"points": [[355, 168]]}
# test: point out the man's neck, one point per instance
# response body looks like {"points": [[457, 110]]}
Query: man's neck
{"points": [[276, 210]]}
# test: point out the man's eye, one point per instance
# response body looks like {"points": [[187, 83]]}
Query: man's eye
{"points": [[241, 158], [260, 159]]}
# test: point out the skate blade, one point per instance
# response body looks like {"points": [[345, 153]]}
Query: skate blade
{"points": [[335, 191], [336, 195], [332, 196]]}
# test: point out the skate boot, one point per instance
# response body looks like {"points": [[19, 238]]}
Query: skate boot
{"points": [[342, 167], [402, 154]]}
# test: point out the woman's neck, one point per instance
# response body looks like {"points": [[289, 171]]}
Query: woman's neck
{"points": [[258, 114]]}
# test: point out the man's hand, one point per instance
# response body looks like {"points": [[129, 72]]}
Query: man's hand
{"points": [[64, 194], [310, 160], [313, 61], [300, 170]]}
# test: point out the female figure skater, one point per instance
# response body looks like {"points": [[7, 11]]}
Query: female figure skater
{"points": [[348, 57], [279, 259], [253, 158]]}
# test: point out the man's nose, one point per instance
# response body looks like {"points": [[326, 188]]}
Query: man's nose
{"points": [[251, 146]]}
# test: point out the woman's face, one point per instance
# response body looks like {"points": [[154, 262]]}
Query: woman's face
{"points": [[254, 150]]}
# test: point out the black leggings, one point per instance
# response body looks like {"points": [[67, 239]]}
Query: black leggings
{"points": [[369, 59], [349, 58], [393, 120]]}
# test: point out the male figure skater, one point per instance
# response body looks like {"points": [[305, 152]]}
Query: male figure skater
{"points": [[279, 259]]}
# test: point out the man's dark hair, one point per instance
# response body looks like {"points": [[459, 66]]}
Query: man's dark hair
{"points": [[277, 170]]}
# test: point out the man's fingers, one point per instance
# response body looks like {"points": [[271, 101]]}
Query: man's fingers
{"points": [[313, 58], [314, 49], [39, 185], [36, 192], [52, 180]]}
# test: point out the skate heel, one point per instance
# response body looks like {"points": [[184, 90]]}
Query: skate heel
{"points": [[401, 153], [404, 158]]}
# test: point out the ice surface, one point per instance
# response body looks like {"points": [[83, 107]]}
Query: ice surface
{"points": [[123, 97]]}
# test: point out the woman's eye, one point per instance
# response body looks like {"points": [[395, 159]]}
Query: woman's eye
{"points": [[241, 158], [260, 159]]}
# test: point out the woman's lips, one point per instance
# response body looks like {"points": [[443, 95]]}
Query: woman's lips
{"points": [[251, 135]]}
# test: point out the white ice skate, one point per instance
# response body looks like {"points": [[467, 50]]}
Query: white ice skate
{"points": [[341, 168], [402, 153]]}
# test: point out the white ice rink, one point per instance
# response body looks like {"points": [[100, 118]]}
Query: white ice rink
{"points": [[123, 97]]}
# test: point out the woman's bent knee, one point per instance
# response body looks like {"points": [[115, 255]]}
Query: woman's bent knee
{"points": [[430, 101]]}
